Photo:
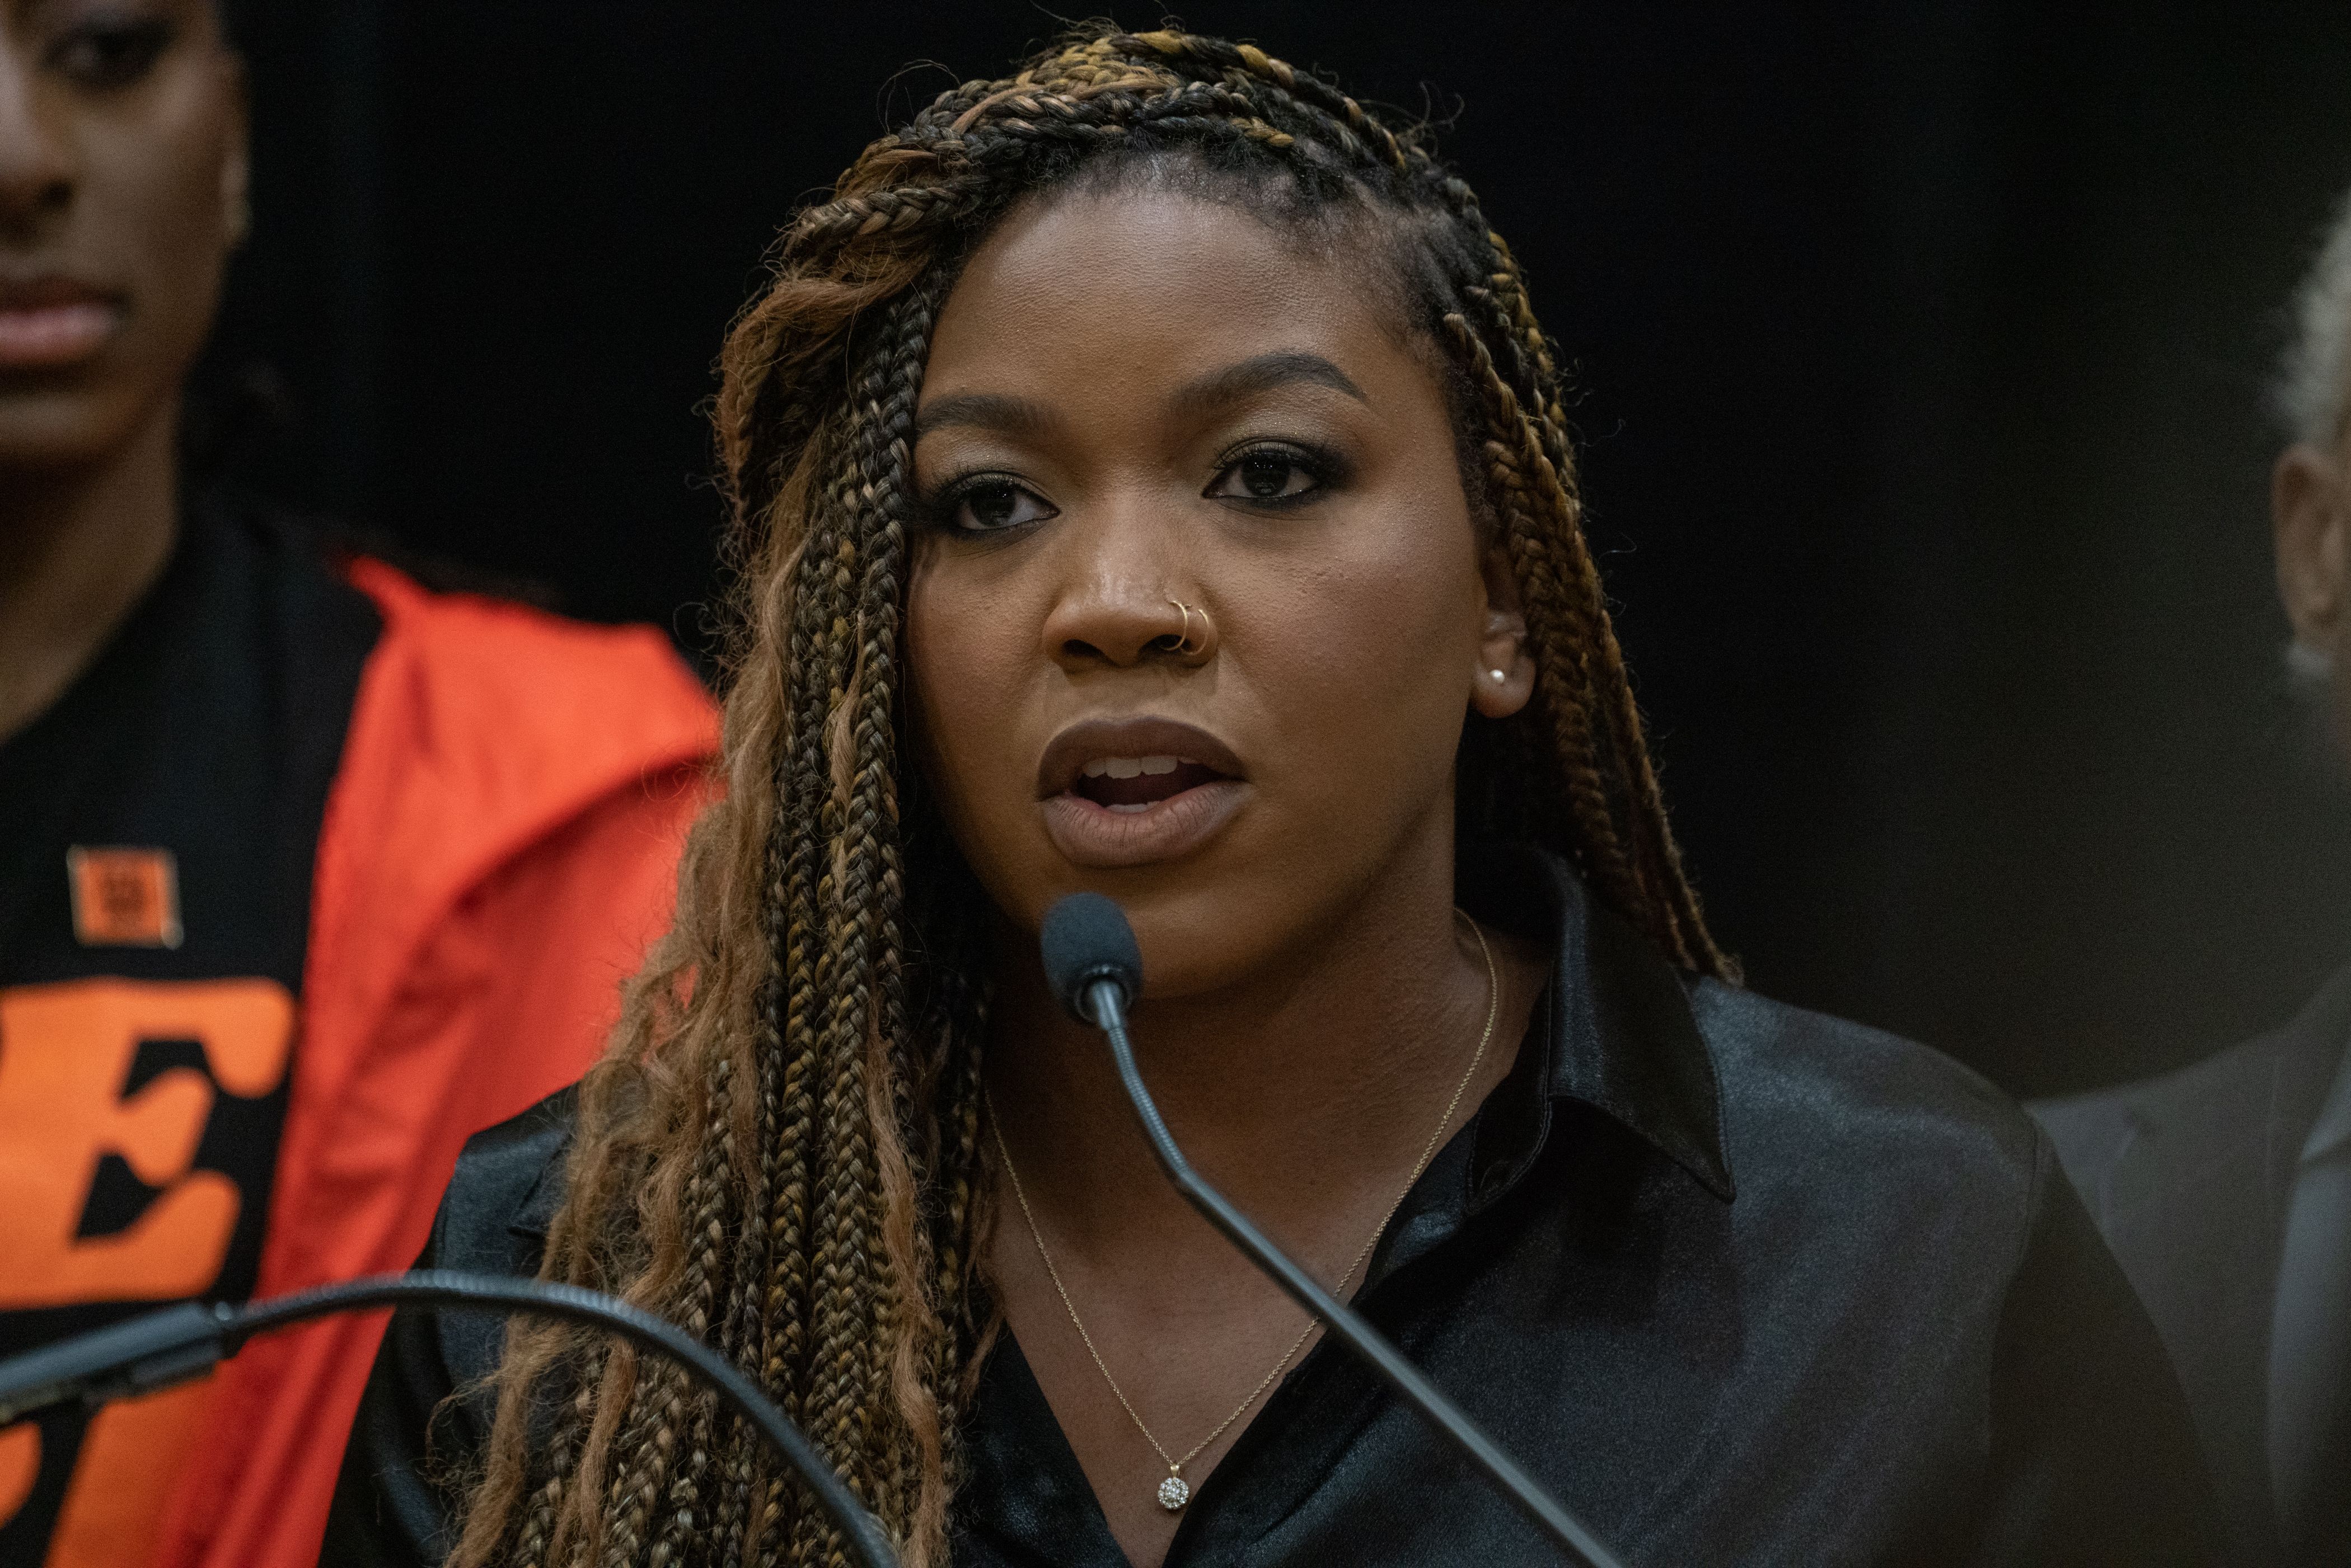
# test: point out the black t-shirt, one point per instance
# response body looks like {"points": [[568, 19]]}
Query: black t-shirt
{"points": [[158, 828]]}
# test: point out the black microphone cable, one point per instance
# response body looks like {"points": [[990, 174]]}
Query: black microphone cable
{"points": [[1093, 965], [178, 1343]]}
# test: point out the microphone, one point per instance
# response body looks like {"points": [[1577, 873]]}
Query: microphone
{"points": [[1096, 970], [179, 1343]]}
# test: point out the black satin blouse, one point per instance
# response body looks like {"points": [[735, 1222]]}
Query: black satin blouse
{"points": [[1741, 1285]]}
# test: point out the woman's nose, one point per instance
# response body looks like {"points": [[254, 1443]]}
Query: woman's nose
{"points": [[1131, 596], [1123, 624], [36, 162]]}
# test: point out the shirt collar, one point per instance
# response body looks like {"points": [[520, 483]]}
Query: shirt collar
{"points": [[1615, 1031]]}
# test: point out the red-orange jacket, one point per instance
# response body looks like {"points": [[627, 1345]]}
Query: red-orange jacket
{"points": [[499, 847]]}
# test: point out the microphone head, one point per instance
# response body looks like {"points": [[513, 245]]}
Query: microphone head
{"points": [[1086, 939]]}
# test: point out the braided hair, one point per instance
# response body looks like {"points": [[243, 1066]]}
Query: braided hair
{"points": [[781, 1150]]}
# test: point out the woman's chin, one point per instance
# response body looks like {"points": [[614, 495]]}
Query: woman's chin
{"points": [[1092, 835], [61, 421]]}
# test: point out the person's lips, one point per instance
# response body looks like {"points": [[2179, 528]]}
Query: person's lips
{"points": [[48, 323], [1123, 792]]}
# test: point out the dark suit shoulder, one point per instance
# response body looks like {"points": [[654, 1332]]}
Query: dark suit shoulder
{"points": [[2188, 1176], [2156, 1143], [2225, 1088]]}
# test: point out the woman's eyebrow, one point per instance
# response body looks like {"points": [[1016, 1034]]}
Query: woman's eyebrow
{"points": [[1261, 373], [988, 411], [1019, 416]]}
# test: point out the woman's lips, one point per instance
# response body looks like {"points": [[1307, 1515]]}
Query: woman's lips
{"points": [[1130, 792], [47, 326], [1092, 833]]}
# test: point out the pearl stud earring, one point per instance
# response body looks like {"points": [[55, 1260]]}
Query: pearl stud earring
{"points": [[1499, 674]]}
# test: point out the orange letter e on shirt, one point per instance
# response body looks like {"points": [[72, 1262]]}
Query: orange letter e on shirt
{"points": [[66, 1054]]}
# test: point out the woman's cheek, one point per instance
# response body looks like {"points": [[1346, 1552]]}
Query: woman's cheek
{"points": [[966, 686], [1372, 650]]}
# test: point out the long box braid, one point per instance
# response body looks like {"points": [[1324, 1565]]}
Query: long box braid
{"points": [[781, 1149]]}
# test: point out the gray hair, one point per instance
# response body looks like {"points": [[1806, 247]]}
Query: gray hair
{"points": [[2314, 376], [2312, 394]]}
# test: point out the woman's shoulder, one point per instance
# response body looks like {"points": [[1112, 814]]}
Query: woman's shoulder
{"points": [[506, 1190], [1927, 1240], [1750, 1034], [1817, 1108]]}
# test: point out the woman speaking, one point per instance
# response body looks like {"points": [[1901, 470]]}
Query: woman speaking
{"points": [[1153, 481]]}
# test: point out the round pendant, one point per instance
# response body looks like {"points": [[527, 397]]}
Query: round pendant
{"points": [[1173, 1494]]}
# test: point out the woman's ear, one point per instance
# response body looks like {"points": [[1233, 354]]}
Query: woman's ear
{"points": [[2313, 547], [1505, 677]]}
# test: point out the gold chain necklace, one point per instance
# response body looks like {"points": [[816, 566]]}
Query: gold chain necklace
{"points": [[1175, 1491]]}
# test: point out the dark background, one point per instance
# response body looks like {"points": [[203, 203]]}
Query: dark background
{"points": [[1922, 358]]}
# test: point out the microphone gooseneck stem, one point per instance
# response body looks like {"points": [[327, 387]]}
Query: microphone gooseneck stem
{"points": [[1106, 1001], [180, 1343]]}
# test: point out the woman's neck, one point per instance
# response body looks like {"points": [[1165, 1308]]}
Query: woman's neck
{"points": [[1290, 1092], [78, 546]]}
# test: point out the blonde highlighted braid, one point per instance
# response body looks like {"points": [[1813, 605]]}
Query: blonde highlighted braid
{"points": [[781, 1149]]}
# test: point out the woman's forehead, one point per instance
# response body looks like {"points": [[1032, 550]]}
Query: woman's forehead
{"points": [[1155, 285]]}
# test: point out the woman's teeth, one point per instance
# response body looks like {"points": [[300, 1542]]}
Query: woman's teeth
{"points": [[1130, 767], [1133, 784]]}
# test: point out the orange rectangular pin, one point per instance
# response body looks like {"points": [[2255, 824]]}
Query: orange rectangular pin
{"points": [[124, 897]]}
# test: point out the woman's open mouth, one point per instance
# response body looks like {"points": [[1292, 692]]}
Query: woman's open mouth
{"points": [[1131, 791], [1133, 784]]}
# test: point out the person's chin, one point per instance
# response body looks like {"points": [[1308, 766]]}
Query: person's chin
{"points": [[1101, 837], [50, 422]]}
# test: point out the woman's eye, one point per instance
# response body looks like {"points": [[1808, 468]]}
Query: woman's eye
{"points": [[989, 505], [1266, 475], [113, 52]]}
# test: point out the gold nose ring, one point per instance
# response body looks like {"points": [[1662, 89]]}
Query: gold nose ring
{"points": [[1184, 643]]}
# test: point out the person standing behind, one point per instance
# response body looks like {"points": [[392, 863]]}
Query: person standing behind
{"points": [[2225, 1189], [307, 872]]}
